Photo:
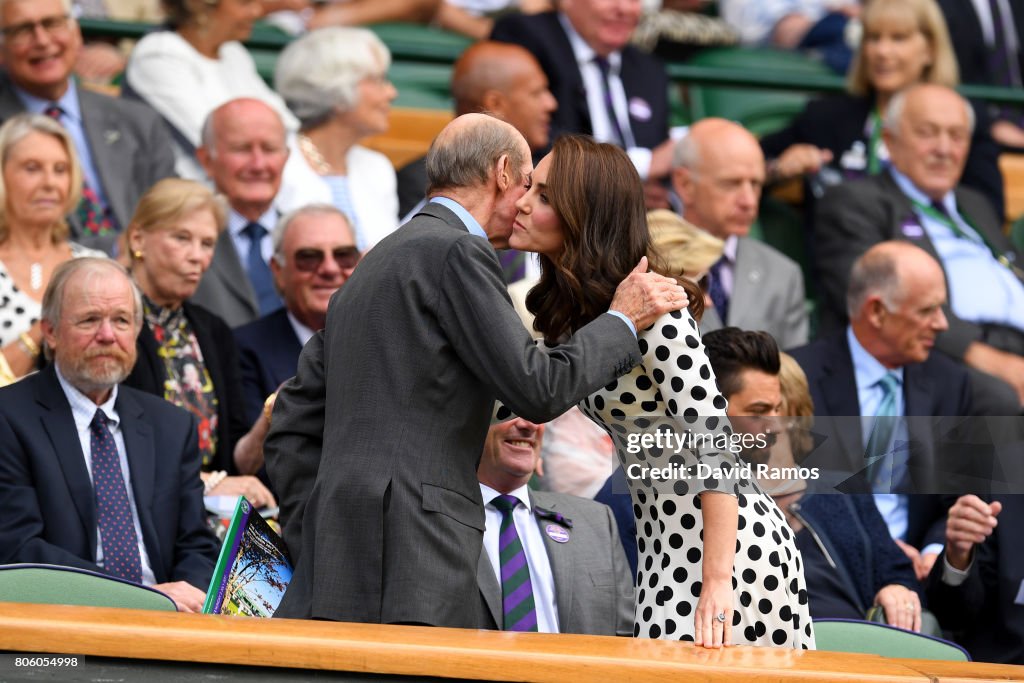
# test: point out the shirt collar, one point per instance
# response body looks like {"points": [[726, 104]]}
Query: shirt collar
{"points": [[732, 244], [68, 102], [866, 368], [581, 49], [82, 408], [237, 222], [522, 494], [908, 188], [301, 331], [465, 216]]}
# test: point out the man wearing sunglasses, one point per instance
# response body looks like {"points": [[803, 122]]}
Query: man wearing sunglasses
{"points": [[314, 254]]}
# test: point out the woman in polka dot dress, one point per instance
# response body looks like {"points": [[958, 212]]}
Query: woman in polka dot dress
{"points": [[717, 561]]}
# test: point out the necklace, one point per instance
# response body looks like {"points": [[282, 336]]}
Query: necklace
{"points": [[35, 276], [309, 149]]}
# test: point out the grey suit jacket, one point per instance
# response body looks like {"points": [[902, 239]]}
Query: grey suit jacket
{"points": [[593, 584], [854, 216], [131, 150], [225, 288], [767, 294], [387, 524]]}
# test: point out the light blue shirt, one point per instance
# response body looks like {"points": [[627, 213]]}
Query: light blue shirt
{"points": [[541, 578], [981, 290], [83, 410], [236, 226], [474, 228], [71, 119], [868, 371]]}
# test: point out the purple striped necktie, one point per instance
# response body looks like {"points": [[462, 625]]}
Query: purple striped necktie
{"points": [[520, 613]]}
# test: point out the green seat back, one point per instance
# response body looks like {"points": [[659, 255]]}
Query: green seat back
{"points": [[760, 110], [53, 585], [864, 637]]}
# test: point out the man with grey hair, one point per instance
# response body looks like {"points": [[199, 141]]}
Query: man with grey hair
{"points": [[244, 152], [882, 366], [314, 254], [718, 172], [93, 474], [919, 199], [123, 147], [374, 444]]}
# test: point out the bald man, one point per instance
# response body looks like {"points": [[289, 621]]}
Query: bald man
{"points": [[919, 198], [374, 444], [502, 80], [895, 300], [718, 172]]}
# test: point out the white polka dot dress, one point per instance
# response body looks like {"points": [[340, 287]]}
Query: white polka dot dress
{"points": [[675, 383]]}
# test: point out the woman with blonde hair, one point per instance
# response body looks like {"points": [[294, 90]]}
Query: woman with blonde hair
{"points": [[40, 184], [185, 353], [904, 42]]}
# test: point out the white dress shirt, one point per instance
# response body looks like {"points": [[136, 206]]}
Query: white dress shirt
{"points": [[83, 410], [541, 578]]}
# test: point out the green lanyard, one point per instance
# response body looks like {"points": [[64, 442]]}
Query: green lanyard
{"points": [[874, 163], [960, 233]]}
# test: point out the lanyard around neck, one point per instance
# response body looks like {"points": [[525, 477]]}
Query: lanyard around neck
{"points": [[978, 237]]}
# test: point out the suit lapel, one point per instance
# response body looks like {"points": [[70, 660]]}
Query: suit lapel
{"points": [[141, 454], [490, 589], [227, 267], [10, 104], [564, 66], [747, 281], [104, 139], [560, 557], [60, 427], [838, 385]]}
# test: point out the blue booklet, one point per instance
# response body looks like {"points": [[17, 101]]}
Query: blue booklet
{"points": [[253, 569]]}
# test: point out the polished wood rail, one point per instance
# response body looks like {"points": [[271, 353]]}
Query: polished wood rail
{"points": [[449, 653]]}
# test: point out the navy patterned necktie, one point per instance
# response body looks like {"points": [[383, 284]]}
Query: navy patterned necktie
{"points": [[259, 272], [716, 290], [117, 529], [518, 607], [609, 103]]}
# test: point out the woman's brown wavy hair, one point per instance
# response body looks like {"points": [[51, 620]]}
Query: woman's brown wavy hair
{"points": [[598, 197]]}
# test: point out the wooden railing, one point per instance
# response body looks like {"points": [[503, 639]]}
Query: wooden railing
{"points": [[449, 653]]}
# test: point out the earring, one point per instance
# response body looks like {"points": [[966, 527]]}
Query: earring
{"points": [[137, 255]]}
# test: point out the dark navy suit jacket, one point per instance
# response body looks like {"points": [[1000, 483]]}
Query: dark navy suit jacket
{"points": [[643, 78], [268, 352], [937, 387], [47, 503]]}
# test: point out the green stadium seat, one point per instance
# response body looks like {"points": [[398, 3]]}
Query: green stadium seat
{"points": [[865, 637], [54, 585]]}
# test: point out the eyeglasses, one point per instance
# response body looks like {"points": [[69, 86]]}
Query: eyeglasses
{"points": [[309, 260], [22, 34]]}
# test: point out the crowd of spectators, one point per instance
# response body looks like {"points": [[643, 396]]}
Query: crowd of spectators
{"points": [[216, 215]]}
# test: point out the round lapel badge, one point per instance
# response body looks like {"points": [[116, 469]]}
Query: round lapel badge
{"points": [[557, 533]]}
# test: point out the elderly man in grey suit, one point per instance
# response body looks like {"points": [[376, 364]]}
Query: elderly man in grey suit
{"points": [[718, 172], [123, 147], [387, 524], [244, 151], [927, 131], [575, 578]]}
